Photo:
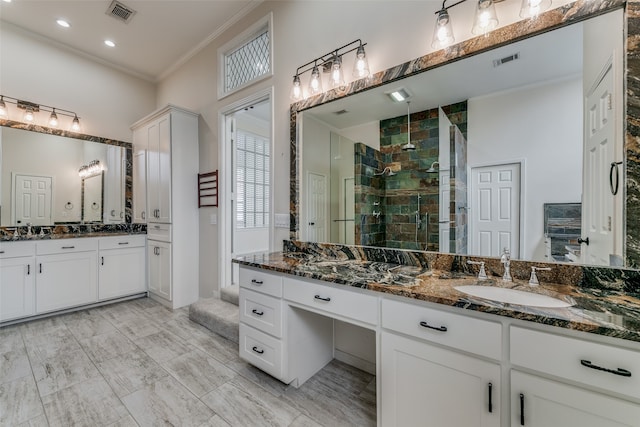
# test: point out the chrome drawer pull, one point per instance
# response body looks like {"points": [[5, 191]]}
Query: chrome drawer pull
{"points": [[426, 325], [256, 312], [68, 247], [322, 299], [619, 371], [257, 350], [257, 282]]}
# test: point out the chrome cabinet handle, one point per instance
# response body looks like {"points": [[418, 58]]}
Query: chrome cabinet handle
{"points": [[257, 350], [257, 313], [113, 212], [143, 215], [621, 372], [436, 328], [327, 299]]}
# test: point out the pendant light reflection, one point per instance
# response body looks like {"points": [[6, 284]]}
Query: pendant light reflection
{"points": [[53, 119], [336, 79], [532, 8], [486, 19], [28, 114], [75, 125], [361, 66], [443, 33], [296, 89], [3, 108]]}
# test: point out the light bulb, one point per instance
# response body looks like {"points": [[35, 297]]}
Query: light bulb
{"points": [[443, 32], [486, 18], [361, 66], [337, 75], [75, 125], [532, 8], [4, 113], [296, 90], [28, 114], [315, 84], [53, 119]]}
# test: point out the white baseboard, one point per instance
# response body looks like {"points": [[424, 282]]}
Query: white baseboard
{"points": [[355, 361]]}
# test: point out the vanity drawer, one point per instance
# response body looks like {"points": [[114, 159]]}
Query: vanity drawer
{"points": [[261, 350], [66, 245], [16, 249], [266, 283], [121, 242], [160, 232], [261, 311], [470, 334], [343, 302], [564, 357]]}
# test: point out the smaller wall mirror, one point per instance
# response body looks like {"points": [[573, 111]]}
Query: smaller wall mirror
{"points": [[92, 198]]}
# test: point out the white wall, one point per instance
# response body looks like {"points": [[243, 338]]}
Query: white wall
{"points": [[106, 100], [508, 127], [368, 134]]}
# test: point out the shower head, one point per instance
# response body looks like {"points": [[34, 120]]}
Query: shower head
{"points": [[408, 147], [386, 171], [433, 167]]}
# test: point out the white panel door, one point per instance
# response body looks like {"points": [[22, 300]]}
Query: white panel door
{"points": [[538, 402], [495, 210], [32, 200], [316, 207], [599, 202]]}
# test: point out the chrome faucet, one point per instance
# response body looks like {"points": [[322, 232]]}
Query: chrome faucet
{"points": [[482, 274], [506, 260], [29, 233], [533, 280]]}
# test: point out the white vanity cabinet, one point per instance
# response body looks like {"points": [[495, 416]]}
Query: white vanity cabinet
{"points": [[166, 198], [539, 401], [66, 273], [421, 380], [121, 270], [17, 280]]}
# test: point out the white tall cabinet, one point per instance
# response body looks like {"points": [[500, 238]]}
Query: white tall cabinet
{"points": [[165, 144]]}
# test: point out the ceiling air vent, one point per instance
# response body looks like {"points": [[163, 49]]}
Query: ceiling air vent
{"points": [[120, 11], [502, 61]]}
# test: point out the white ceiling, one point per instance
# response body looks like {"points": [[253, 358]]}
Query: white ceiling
{"points": [[160, 36], [550, 56]]}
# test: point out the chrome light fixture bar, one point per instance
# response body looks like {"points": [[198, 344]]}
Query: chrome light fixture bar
{"points": [[31, 108], [330, 62], [93, 168]]}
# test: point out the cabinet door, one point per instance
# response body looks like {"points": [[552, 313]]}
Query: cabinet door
{"points": [[66, 280], [17, 297], [539, 402], [122, 272], [164, 178], [153, 170], [159, 254], [140, 187], [427, 385]]}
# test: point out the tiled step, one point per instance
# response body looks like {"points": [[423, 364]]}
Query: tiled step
{"points": [[216, 315], [230, 294]]}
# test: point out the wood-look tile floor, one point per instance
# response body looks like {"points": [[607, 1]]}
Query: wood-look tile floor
{"points": [[137, 363]]}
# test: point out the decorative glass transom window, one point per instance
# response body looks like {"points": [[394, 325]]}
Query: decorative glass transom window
{"points": [[245, 59], [252, 180]]}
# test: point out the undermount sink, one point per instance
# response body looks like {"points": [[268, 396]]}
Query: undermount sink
{"points": [[513, 296]]}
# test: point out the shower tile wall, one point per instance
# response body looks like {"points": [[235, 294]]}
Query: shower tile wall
{"points": [[397, 196], [459, 230], [369, 191]]}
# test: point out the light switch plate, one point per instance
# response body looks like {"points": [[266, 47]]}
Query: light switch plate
{"points": [[282, 220]]}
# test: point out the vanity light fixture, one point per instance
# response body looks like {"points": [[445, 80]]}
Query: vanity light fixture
{"points": [[330, 63], [31, 109], [92, 169], [3, 108], [443, 32], [532, 8], [486, 19]]}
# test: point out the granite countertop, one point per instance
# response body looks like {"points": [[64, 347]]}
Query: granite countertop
{"points": [[604, 312], [69, 231]]}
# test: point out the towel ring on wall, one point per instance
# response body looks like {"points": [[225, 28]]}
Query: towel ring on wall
{"points": [[68, 206], [614, 187]]}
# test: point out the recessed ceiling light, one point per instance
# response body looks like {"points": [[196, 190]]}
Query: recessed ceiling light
{"points": [[109, 43], [63, 23], [399, 95]]}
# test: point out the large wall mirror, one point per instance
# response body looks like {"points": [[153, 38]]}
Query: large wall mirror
{"points": [[40, 183], [519, 147]]}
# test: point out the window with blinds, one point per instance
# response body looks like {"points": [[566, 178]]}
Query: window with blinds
{"points": [[252, 180]]}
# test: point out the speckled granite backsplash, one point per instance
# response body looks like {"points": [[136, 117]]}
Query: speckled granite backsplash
{"points": [[624, 280], [68, 231]]}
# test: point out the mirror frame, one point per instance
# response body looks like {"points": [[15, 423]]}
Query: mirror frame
{"points": [[556, 18], [128, 186]]}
